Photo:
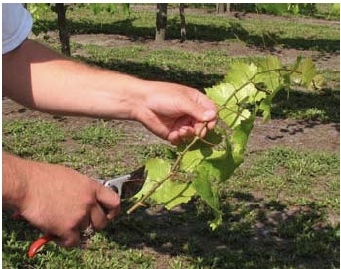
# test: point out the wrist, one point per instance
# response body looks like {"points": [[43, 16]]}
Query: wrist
{"points": [[115, 96], [136, 95]]}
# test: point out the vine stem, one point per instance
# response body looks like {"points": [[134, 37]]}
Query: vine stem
{"points": [[173, 169]]}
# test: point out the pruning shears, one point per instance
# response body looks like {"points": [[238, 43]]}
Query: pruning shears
{"points": [[117, 184]]}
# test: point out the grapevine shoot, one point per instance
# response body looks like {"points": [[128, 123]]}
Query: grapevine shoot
{"points": [[201, 165]]}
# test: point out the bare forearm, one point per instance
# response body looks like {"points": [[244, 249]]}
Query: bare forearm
{"points": [[40, 78], [52, 83], [13, 180]]}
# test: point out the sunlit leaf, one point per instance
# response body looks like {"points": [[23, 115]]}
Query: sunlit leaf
{"points": [[247, 90], [170, 193], [240, 73], [157, 170], [304, 72], [173, 193], [239, 139]]}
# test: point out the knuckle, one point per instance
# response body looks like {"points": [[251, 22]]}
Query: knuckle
{"points": [[71, 242]]}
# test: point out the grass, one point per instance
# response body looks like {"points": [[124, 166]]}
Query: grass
{"points": [[295, 177], [283, 203], [97, 135], [292, 33], [281, 208]]}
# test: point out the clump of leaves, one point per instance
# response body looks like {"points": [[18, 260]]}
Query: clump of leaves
{"points": [[203, 164]]}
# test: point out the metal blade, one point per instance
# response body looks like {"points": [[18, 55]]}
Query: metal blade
{"points": [[134, 182]]}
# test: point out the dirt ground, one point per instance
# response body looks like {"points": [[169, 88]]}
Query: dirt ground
{"points": [[298, 134]]}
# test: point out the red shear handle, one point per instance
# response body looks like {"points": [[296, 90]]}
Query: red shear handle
{"points": [[37, 245]]}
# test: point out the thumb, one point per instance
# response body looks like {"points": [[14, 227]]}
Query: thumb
{"points": [[200, 112], [109, 200]]}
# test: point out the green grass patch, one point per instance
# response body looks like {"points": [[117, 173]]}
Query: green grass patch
{"points": [[37, 139], [97, 135], [296, 177], [284, 204]]}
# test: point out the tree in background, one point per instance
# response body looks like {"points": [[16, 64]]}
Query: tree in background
{"points": [[182, 22], [222, 8], [161, 15], [161, 22], [60, 9], [64, 35]]}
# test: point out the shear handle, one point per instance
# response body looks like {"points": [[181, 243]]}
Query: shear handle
{"points": [[117, 183]]}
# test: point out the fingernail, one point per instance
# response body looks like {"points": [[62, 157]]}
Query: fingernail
{"points": [[208, 115]]}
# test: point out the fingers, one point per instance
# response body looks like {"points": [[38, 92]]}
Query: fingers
{"points": [[200, 116], [98, 218], [186, 127], [106, 207], [109, 201], [68, 239], [201, 108], [181, 129]]}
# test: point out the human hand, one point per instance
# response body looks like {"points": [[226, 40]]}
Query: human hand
{"points": [[62, 202], [175, 112]]}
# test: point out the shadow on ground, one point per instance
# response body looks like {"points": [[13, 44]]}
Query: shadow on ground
{"points": [[258, 235], [254, 234], [231, 30]]}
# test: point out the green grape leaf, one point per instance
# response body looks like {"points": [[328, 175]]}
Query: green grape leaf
{"points": [[213, 137], [269, 75], [266, 64], [304, 73], [157, 170], [248, 88], [193, 158], [170, 193], [221, 167], [221, 93], [240, 73], [271, 81], [248, 94], [208, 194], [233, 115], [240, 138], [173, 193], [219, 164], [318, 82], [230, 111], [265, 106]]}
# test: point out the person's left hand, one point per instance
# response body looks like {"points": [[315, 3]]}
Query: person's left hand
{"points": [[175, 112]]}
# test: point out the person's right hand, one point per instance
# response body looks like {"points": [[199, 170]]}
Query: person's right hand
{"points": [[63, 202]]}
